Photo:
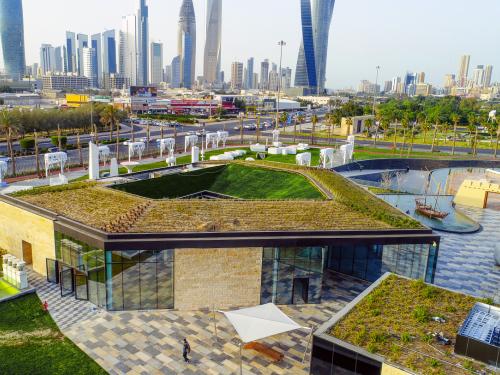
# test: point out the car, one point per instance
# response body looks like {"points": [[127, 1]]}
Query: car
{"points": [[4, 158], [53, 149], [192, 133], [267, 125], [237, 128]]}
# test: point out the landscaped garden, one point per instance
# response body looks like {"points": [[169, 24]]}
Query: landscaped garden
{"points": [[31, 343], [235, 180], [396, 321]]}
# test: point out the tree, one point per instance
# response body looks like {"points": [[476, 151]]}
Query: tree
{"points": [[405, 123], [498, 138], [368, 126], [349, 123], [455, 118], [109, 118], [385, 124], [10, 127], [472, 129], [314, 120]]}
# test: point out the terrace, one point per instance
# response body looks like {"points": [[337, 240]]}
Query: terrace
{"points": [[291, 198]]}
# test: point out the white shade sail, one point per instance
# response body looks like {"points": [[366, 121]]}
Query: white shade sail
{"points": [[256, 323]]}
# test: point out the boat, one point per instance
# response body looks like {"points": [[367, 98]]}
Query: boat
{"points": [[427, 210]]}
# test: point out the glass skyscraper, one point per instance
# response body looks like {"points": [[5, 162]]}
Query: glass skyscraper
{"points": [[212, 59], [142, 43], [316, 17], [12, 56], [186, 44]]}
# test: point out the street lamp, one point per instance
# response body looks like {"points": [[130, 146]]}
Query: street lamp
{"points": [[374, 104], [281, 43]]}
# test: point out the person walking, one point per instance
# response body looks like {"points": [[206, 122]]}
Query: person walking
{"points": [[186, 349]]}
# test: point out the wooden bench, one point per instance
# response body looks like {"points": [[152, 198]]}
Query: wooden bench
{"points": [[274, 355]]}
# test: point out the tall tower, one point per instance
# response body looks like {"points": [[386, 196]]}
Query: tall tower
{"points": [[70, 52], [83, 42], [156, 59], [96, 45], [213, 44], [128, 49], [109, 52], [311, 63], [186, 43], [142, 43], [463, 74], [12, 55], [249, 76]]}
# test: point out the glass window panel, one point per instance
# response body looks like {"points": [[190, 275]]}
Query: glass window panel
{"points": [[360, 261], [165, 275], [321, 357], [346, 262], [148, 286], [131, 286], [115, 295], [284, 285], [130, 256], [344, 361], [148, 256], [334, 258]]}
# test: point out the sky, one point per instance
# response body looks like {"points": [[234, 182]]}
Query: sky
{"points": [[397, 35]]}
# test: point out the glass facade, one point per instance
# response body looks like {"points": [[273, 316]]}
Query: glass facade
{"points": [[292, 275], [369, 262], [329, 359], [187, 43], [140, 280], [12, 55]]}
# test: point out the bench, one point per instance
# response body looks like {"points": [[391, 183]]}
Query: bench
{"points": [[274, 355]]}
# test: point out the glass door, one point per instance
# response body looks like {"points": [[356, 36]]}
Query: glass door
{"points": [[52, 271], [66, 281], [81, 287], [300, 291]]}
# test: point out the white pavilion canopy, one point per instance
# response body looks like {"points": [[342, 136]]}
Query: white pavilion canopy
{"points": [[256, 323]]}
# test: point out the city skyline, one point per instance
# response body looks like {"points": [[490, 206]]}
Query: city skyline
{"points": [[353, 53]]}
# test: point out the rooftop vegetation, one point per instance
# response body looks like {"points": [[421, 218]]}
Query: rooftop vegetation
{"points": [[395, 321], [235, 180], [31, 343]]}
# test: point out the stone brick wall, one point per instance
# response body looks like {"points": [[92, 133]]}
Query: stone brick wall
{"points": [[225, 278], [18, 225]]}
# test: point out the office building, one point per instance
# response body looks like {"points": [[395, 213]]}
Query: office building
{"points": [[176, 72], [128, 49], [89, 66], [367, 87], [142, 35], [387, 86], [96, 45], [236, 75], [212, 57], [286, 78], [311, 63], [109, 65], [273, 80], [156, 59], [71, 49], [113, 81], [478, 76], [186, 43], [59, 60], [449, 83], [55, 81], [264, 75], [167, 74], [248, 84], [421, 77], [423, 89], [12, 54], [82, 41], [35, 67], [488, 73], [47, 58], [463, 73], [255, 81]]}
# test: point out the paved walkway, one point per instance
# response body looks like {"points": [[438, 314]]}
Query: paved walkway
{"points": [[150, 342], [466, 262]]}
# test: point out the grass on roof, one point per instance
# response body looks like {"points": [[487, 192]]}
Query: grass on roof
{"points": [[236, 180], [31, 343], [395, 320]]}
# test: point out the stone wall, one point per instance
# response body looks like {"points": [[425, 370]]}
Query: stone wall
{"points": [[223, 278], [18, 225]]}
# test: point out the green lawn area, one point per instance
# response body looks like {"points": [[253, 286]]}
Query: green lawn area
{"points": [[235, 180], [7, 290], [31, 343], [364, 153]]}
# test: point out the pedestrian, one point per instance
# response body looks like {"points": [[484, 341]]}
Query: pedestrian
{"points": [[186, 349]]}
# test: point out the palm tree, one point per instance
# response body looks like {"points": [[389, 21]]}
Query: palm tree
{"points": [[314, 120], [498, 137], [37, 155], [455, 118], [368, 126], [472, 128], [385, 124], [109, 118], [412, 139], [283, 119], [348, 122], [378, 119], [405, 123], [10, 127], [426, 126], [79, 147]]}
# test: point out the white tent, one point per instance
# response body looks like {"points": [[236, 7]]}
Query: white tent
{"points": [[256, 323]]}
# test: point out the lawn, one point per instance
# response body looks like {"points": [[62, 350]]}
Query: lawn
{"points": [[7, 290], [31, 343], [235, 180]]}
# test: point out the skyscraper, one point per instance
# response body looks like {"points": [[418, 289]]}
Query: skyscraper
{"points": [[83, 42], [264, 75], [142, 19], [47, 58], [58, 56], [96, 44], [311, 62], [463, 73], [89, 65], [488, 72], [128, 49], [249, 76], [212, 58], [156, 59], [12, 55], [176, 72], [186, 43], [236, 75], [478, 76], [109, 52], [70, 52]]}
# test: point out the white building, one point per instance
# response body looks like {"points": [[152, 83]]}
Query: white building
{"points": [[90, 66], [236, 75], [128, 49], [47, 58], [83, 42]]}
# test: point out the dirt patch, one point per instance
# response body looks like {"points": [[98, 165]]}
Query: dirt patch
{"points": [[15, 338]]}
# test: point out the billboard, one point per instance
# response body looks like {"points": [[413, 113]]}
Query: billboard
{"points": [[143, 91]]}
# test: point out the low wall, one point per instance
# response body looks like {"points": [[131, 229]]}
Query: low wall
{"points": [[416, 164]]}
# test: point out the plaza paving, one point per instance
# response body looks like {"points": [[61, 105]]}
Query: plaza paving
{"points": [[466, 261], [150, 342]]}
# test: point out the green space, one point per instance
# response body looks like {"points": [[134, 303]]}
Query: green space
{"points": [[31, 343], [235, 180], [7, 290], [396, 321]]}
